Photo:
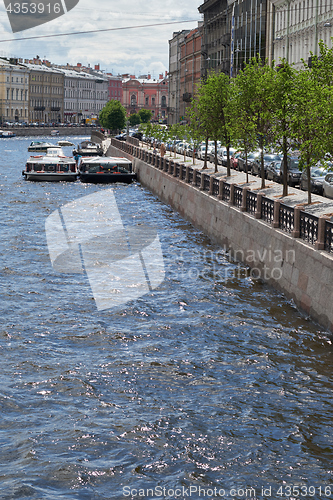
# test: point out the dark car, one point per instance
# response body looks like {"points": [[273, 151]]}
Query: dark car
{"points": [[268, 158], [250, 159], [273, 172], [317, 176], [293, 170]]}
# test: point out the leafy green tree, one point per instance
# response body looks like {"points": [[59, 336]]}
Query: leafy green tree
{"points": [[214, 96], [257, 93], [145, 115], [242, 125], [312, 119], [134, 119], [113, 116], [285, 85]]}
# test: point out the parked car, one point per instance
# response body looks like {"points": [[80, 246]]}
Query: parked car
{"points": [[274, 171], [252, 155], [268, 158], [317, 176], [202, 149], [328, 185], [222, 157], [293, 170]]}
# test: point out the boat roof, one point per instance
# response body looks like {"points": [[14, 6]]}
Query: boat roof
{"points": [[105, 160], [53, 155], [41, 143]]}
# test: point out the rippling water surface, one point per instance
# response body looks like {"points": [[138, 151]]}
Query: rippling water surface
{"points": [[213, 380]]}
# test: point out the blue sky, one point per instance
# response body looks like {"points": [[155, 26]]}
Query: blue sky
{"points": [[137, 51]]}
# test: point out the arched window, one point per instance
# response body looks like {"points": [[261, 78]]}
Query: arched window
{"points": [[133, 100], [163, 101]]}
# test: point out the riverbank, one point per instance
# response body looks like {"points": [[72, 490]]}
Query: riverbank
{"points": [[282, 241]]}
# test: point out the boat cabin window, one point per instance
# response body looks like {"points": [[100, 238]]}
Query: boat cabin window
{"points": [[106, 167]]}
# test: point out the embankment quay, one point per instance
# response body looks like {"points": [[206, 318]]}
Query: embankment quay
{"points": [[33, 131], [284, 241]]}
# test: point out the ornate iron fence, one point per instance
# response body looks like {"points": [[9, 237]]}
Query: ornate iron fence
{"points": [[309, 227], [206, 182], [286, 218], [251, 202], [216, 187], [267, 209], [226, 192], [238, 196], [198, 179], [329, 236]]}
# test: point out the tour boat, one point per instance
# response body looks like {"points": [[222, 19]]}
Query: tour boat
{"points": [[39, 147], [88, 148], [53, 166], [6, 133], [106, 170]]}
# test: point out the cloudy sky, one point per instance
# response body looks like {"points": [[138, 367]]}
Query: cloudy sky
{"points": [[136, 51]]}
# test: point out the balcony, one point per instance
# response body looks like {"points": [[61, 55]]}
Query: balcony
{"points": [[39, 108]]}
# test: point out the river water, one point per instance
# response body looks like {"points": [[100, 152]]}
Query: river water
{"points": [[212, 385]]}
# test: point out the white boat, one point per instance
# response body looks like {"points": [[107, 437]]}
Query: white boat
{"points": [[54, 166], [39, 147], [54, 132], [7, 133]]}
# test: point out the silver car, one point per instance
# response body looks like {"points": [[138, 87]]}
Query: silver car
{"points": [[328, 185]]}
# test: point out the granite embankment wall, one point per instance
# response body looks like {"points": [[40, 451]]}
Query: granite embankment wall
{"points": [[251, 227], [39, 131]]}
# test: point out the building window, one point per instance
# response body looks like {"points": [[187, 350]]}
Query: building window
{"points": [[147, 101]]}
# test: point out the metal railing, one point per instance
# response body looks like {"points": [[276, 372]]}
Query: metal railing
{"points": [[283, 217], [286, 218]]}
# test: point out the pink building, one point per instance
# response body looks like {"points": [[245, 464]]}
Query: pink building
{"points": [[115, 87], [146, 93]]}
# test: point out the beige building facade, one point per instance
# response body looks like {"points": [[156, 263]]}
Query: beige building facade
{"points": [[14, 91]]}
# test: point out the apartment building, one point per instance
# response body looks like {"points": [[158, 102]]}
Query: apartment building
{"points": [[14, 91], [46, 103]]}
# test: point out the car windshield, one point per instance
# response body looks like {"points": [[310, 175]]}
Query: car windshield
{"points": [[293, 164], [272, 157], [253, 155], [318, 172]]}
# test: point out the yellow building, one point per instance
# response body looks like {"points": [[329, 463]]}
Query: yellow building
{"points": [[14, 91]]}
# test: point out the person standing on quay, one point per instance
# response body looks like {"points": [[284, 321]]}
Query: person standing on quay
{"points": [[162, 150]]}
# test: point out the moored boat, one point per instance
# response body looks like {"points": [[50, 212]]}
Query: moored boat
{"points": [[6, 134], [39, 147], [106, 170], [54, 166], [88, 148]]}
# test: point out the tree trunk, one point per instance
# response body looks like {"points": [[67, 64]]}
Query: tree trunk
{"points": [[262, 163], [308, 171], [205, 161], [246, 168], [215, 155], [285, 164], [228, 160]]}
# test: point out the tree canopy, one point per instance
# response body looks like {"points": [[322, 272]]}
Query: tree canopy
{"points": [[113, 116]]}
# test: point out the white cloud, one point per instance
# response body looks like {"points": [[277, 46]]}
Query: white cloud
{"points": [[139, 50]]}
